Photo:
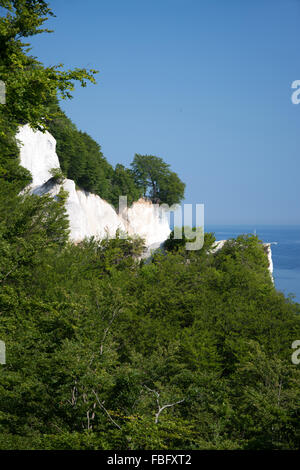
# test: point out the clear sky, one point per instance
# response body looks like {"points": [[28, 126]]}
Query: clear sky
{"points": [[204, 84]]}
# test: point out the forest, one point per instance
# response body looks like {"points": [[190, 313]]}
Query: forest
{"points": [[190, 350]]}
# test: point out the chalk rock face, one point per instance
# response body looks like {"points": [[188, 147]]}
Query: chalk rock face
{"points": [[37, 154], [89, 215], [218, 246], [148, 221], [268, 250]]}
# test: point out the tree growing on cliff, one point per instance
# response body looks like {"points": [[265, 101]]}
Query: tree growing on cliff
{"points": [[156, 180], [30, 86], [123, 184]]}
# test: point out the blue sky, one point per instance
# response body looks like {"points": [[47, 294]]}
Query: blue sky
{"points": [[204, 84]]}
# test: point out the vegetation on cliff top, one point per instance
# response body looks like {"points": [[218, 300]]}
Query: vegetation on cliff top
{"points": [[32, 91]]}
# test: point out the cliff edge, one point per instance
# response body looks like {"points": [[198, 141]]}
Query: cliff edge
{"points": [[89, 215]]}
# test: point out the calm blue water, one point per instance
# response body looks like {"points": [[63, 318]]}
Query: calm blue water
{"points": [[285, 253]]}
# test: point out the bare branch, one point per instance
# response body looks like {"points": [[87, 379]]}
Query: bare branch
{"points": [[88, 420], [161, 408], [74, 392], [107, 329], [9, 272], [165, 406], [103, 408]]}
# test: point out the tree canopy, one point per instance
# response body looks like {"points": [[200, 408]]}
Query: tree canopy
{"points": [[30, 86], [97, 343], [156, 180]]}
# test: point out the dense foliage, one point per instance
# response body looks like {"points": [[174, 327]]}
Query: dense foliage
{"points": [[99, 342], [30, 85], [93, 336], [157, 181]]}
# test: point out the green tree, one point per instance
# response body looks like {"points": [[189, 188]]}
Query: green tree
{"points": [[123, 185], [31, 87], [156, 179]]}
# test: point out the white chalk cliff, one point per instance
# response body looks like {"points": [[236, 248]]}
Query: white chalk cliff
{"points": [[38, 154], [89, 215], [268, 250]]}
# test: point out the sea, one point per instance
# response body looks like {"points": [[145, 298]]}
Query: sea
{"points": [[285, 247]]}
